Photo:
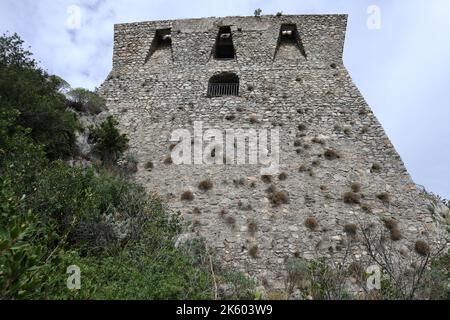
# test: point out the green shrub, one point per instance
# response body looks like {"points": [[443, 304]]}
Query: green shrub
{"points": [[84, 100], [35, 95], [109, 143]]}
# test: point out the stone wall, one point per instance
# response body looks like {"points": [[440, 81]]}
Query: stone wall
{"points": [[320, 114]]}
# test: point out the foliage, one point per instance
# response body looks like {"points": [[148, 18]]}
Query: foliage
{"points": [[35, 95], [53, 215], [109, 142], [84, 100]]}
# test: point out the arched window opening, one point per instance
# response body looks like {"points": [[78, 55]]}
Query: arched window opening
{"points": [[224, 48], [224, 84]]}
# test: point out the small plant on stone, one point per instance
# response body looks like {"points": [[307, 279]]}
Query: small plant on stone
{"points": [[266, 178], [252, 227], [223, 212], [271, 189], [331, 154], [187, 196], [356, 187], [350, 229], [384, 197], [303, 168], [422, 248], [253, 119], [168, 160], [230, 221], [230, 117], [278, 198], [253, 251], [311, 223], [347, 130], [205, 185], [396, 234], [352, 197], [149, 166], [282, 176], [376, 167]]}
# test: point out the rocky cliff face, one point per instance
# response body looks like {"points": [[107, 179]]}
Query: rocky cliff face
{"points": [[337, 167]]}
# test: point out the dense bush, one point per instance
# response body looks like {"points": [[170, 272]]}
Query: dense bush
{"points": [[83, 100], [35, 95], [53, 215], [109, 142]]}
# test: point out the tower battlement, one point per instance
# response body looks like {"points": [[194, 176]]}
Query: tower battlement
{"points": [[255, 39]]}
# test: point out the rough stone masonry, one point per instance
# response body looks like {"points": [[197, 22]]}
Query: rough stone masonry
{"points": [[337, 165]]}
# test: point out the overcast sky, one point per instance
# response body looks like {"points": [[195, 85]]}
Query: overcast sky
{"points": [[402, 69]]}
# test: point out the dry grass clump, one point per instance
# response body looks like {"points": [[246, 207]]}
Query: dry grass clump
{"points": [[311, 223], [376, 167], [271, 189], [396, 234], [149, 166], [356, 270], [392, 226], [350, 229], [168, 160], [205, 185], [384, 197], [356, 187], [422, 248], [352, 197], [223, 212], [266, 178], [253, 251], [331, 154], [366, 207], [252, 227], [390, 223], [278, 198], [230, 117], [187, 196], [302, 168], [282, 176], [253, 119], [230, 220]]}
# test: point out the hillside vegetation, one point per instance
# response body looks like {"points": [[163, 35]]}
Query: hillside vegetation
{"points": [[54, 215]]}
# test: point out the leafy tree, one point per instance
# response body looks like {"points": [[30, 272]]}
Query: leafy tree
{"points": [[35, 95], [109, 142], [84, 100]]}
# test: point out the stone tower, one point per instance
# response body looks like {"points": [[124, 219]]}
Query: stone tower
{"points": [[336, 164]]}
